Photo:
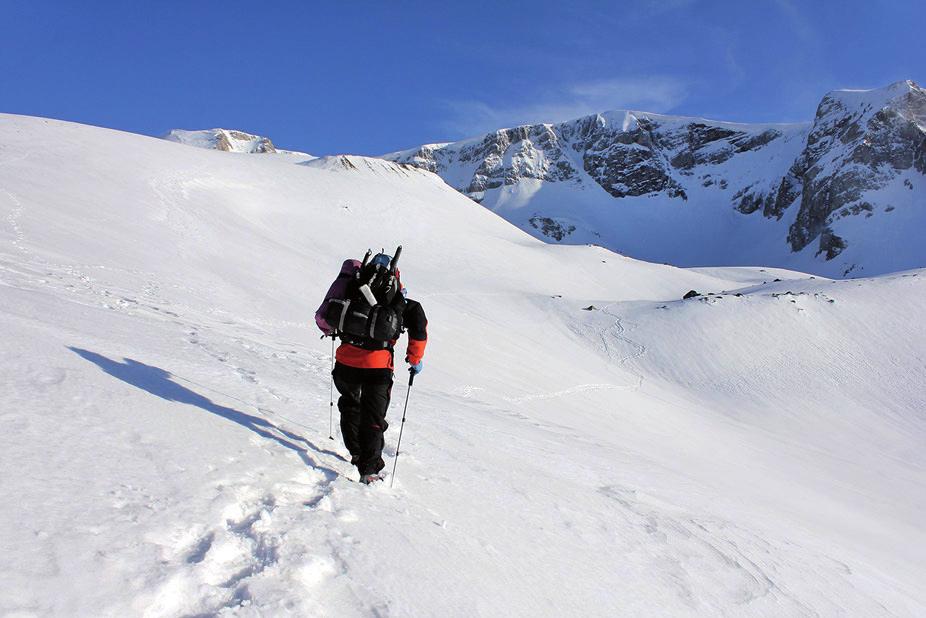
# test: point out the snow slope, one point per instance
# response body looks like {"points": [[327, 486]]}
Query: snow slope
{"points": [[165, 449]]}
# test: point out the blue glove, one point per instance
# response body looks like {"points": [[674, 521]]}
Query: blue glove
{"points": [[416, 369]]}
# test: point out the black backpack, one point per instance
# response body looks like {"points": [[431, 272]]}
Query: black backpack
{"points": [[370, 314]]}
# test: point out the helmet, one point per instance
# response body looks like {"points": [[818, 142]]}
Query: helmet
{"points": [[381, 260]]}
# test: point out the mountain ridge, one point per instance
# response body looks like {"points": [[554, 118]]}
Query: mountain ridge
{"points": [[632, 155]]}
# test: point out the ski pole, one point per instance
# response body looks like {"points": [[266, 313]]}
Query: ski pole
{"points": [[395, 463], [331, 396]]}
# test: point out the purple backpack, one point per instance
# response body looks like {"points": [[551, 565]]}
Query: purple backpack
{"points": [[338, 289]]}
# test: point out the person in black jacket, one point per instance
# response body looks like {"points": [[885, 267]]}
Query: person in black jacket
{"points": [[363, 375]]}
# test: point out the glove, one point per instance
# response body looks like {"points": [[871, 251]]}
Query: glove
{"points": [[416, 369]]}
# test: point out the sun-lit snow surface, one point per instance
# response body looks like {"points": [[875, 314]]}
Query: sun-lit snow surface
{"points": [[165, 407]]}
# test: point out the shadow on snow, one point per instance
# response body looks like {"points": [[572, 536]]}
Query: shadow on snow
{"points": [[161, 383]]}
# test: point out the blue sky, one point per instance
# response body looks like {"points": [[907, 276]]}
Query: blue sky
{"points": [[371, 77]]}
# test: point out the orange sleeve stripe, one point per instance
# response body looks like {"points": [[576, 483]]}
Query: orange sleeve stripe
{"points": [[415, 350]]}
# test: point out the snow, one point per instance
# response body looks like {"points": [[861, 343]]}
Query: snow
{"points": [[198, 139], [703, 229], [230, 141], [165, 407], [628, 120], [875, 98], [701, 218]]}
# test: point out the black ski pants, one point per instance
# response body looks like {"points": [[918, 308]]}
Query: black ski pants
{"points": [[363, 404]]}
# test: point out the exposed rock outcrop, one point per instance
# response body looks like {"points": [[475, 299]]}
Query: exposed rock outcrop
{"points": [[625, 153], [860, 142], [812, 175]]}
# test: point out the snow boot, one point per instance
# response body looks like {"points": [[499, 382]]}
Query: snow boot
{"points": [[369, 479]]}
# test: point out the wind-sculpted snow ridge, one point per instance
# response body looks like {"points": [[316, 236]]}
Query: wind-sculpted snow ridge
{"points": [[692, 191], [581, 442]]}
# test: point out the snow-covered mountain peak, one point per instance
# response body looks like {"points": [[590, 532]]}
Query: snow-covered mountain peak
{"points": [[865, 155], [230, 140], [697, 191], [904, 97], [226, 140], [878, 97]]}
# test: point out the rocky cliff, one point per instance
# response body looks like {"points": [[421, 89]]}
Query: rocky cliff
{"points": [[860, 143], [694, 191]]}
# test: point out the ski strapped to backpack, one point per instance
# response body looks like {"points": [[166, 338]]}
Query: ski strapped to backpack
{"points": [[370, 314]]}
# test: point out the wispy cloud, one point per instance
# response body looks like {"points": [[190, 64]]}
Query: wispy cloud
{"points": [[800, 24], [654, 94]]}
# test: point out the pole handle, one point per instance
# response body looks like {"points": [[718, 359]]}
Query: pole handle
{"points": [[411, 376]]}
